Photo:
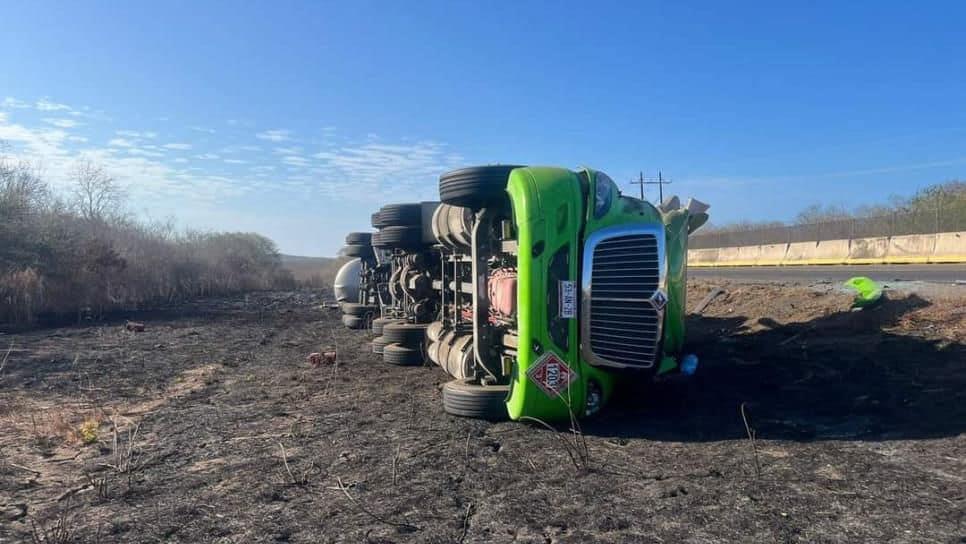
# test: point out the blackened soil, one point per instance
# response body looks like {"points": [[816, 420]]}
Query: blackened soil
{"points": [[226, 434]]}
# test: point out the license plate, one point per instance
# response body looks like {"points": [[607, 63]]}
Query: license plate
{"points": [[568, 299]]}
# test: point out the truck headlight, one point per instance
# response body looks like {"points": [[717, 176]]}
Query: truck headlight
{"points": [[604, 190]]}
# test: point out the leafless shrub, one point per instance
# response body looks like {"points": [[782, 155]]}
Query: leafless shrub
{"points": [[58, 259], [3, 362], [60, 531], [294, 478], [575, 445], [101, 485], [126, 456], [752, 437], [400, 526]]}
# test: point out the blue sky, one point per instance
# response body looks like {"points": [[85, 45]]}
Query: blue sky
{"points": [[298, 119]]}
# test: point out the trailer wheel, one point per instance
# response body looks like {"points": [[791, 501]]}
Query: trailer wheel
{"points": [[466, 399], [401, 215], [379, 343], [380, 322], [353, 321], [396, 354], [476, 187], [399, 237], [359, 310], [377, 221], [358, 250], [359, 238], [410, 335]]}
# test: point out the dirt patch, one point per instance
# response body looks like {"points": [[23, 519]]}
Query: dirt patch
{"points": [[858, 420]]}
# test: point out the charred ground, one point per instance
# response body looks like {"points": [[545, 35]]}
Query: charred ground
{"points": [[226, 434]]}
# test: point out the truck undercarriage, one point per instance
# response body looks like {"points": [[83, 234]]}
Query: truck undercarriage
{"points": [[535, 289]]}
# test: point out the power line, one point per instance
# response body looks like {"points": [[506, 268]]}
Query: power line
{"points": [[659, 181]]}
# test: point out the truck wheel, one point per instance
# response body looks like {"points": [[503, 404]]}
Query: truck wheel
{"points": [[401, 215], [396, 354], [465, 399], [410, 335], [401, 237], [379, 343], [358, 250], [476, 187], [358, 310], [359, 238], [377, 221], [353, 321], [380, 322]]}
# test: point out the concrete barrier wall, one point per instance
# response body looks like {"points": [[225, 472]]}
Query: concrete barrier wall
{"points": [[947, 247], [950, 248], [869, 250], [703, 256], [828, 252], [772, 254]]}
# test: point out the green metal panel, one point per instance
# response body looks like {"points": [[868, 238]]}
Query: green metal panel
{"points": [[548, 207]]}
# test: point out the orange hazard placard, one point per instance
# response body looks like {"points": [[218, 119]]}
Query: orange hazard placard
{"points": [[551, 374]]}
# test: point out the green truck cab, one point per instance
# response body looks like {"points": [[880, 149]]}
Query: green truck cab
{"points": [[571, 288]]}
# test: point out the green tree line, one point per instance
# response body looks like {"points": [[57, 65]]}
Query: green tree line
{"points": [[944, 200]]}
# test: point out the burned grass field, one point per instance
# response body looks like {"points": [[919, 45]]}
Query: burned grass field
{"points": [[805, 422]]}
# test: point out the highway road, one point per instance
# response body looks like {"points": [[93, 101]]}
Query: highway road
{"points": [[933, 273]]}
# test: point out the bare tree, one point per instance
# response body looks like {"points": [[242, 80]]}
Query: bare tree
{"points": [[21, 187], [96, 194]]}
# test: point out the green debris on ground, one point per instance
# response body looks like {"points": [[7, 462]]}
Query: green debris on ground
{"points": [[867, 291]]}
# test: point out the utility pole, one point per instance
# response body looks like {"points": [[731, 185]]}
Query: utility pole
{"points": [[659, 181], [640, 183]]}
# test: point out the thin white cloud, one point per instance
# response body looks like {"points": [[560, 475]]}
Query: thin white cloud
{"points": [[229, 149], [382, 170], [45, 104], [41, 142], [177, 146], [275, 135], [386, 167], [137, 134], [203, 129], [61, 123], [295, 160], [12, 103], [143, 152]]}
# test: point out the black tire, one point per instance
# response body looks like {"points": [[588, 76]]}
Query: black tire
{"points": [[353, 321], [410, 335], [476, 187], [399, 237], [464, 399], [396, 354], [401, 215], [379, 343], [359, 310], [357, 250], [377, 221], [379, 323], [359, 238]]}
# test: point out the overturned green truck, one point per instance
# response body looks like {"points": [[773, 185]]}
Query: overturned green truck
{"points": [[540, 289]]}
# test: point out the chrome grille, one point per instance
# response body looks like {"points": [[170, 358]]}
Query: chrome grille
{"points": [[622, 326]]}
